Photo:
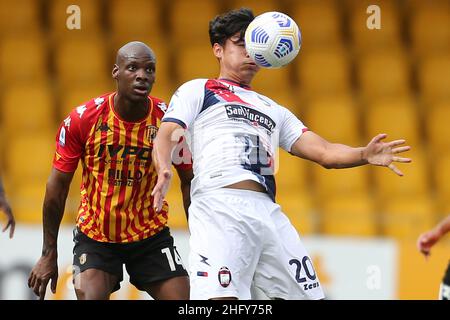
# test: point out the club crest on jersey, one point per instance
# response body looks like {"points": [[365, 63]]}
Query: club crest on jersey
{"points": [[150, 133], [83, 258], [224, 276]]}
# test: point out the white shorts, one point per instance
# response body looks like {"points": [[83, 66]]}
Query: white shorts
{"points": [[240, 238]]}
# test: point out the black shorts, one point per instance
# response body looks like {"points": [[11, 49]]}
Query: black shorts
{"points": [[147, 261], [444, 293]]}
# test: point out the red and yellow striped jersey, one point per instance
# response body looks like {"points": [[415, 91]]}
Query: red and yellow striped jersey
{"points": [[118, 173]]}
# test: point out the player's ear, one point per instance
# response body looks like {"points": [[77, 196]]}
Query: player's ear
{"points": [[218, 50], [115, 71]]}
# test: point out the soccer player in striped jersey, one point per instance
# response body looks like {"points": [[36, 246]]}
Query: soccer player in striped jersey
{"points": [[112, 136], [6, 209]]}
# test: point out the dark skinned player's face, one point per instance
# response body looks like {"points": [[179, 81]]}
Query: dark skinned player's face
{"points": [[135, 75]]}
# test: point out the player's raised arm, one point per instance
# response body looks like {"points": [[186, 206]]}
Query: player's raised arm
{"points": [[167, 138], [335, 156], [4, 206], [46, 268]]}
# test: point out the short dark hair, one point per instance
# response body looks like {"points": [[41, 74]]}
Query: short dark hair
{"points": [[226, 25]]}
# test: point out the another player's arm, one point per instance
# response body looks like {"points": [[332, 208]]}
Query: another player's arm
{"points": [[336, 156], [46, 268], [167, 138], [428, 239], [4, 206]]}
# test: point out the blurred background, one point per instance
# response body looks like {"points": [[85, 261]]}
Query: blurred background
{"points": [[348, 84]]}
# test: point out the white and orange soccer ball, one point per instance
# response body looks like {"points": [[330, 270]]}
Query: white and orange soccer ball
{"points": [[273, 39]]}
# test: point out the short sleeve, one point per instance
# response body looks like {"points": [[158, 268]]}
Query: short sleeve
{"points": [[69, 145], [290, 130], [186, 103]]}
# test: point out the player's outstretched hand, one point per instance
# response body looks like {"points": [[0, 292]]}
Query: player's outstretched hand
{"points": [[10, 221], [381, 153], [160, 190], [46, 269]]}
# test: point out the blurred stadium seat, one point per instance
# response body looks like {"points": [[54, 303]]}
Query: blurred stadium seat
{"points": [[16, 62], [384, 74], [136, 20], [434, 77], [438, 128], [397, 116], [257, 6], [349, 214], [429, 27], [319, 21], [20, 18], [189, 21], [27, 109], [323, 71], [407, 217], [81, 61], [335, 118], [414, 183], [300, 210]]}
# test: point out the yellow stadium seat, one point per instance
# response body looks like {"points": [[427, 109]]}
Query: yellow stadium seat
{"points": [[16, 62], [365, 39], [441, 173], [384, 74], [407, 217], [136, 20], [206, 66], [430, 28], [348, 215], [20, 17], [438, 128], [82, 61], [177, 215], [319, 21], [323, 71], [434, 78], [342, 182], [291, 173], [76, 96], [27, 109], [30, 157], [414, 183], [62, 18], [397, 117], [256, 6], [299, 208], [189, 21], [27, 201], [269, 82], [335, 118]]}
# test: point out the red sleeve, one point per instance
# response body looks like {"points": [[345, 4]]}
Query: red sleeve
{"points": [[74, 132], [69, 145]]}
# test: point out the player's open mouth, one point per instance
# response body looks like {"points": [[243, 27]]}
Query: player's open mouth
{"points": [[141, 90]]}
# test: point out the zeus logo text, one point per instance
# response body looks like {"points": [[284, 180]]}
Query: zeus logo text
{"points": [[123, 152]]}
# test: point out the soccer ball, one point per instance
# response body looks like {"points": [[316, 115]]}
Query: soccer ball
{"points": [[273, 39]]}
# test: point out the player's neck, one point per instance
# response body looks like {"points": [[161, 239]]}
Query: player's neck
{"points": [[234, 78], [130, 111]]}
